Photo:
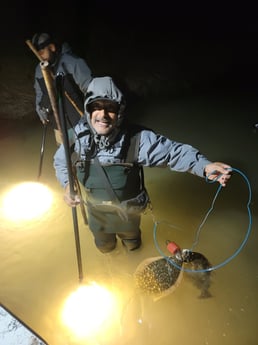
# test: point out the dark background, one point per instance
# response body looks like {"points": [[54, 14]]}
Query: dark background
{"points": [[150, 48]]}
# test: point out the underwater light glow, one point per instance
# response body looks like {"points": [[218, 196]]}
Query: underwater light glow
{"points": [[26, 201], [86, 310]]}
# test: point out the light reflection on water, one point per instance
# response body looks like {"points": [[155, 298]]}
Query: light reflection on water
{"points": [[39, 265]]}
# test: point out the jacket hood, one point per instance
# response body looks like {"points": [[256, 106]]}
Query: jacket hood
{"points": [[103, 88], [66, 48]]}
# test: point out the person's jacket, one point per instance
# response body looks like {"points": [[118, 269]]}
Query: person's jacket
{"points": [[76, 75], [155, 150]]}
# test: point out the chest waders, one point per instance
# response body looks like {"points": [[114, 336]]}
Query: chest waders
{"points": [[116, 187]]}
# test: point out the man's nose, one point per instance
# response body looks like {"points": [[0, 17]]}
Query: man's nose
{"points": [[104, 112]]}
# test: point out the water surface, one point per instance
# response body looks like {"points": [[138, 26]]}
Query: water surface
{"points": [[38, 261]]}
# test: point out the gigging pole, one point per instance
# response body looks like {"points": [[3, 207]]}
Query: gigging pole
{"points": [[52, 93], [31, 46], [59, 88], [43, 140]]}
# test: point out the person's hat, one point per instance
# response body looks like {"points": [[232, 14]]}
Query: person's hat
{"points": [[40, 41]]}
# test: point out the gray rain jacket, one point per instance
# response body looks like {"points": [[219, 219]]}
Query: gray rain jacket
{"points": [[77, 76], [155, 150]]}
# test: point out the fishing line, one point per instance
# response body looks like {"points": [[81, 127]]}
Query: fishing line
{"points": [[230, 258]]}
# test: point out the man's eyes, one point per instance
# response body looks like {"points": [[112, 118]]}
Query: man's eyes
{"points": [[106, 109]]}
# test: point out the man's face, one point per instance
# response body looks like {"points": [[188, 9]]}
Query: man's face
{"points": [[103, 115], [47, 53]]}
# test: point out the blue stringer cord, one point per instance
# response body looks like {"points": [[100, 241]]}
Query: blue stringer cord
{"points": [[212, 268]]}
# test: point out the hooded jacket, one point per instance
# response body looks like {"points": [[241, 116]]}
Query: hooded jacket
{"points": [[154, 150], [77, 76]]}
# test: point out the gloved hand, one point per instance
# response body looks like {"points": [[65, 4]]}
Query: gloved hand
{"points": [[43, 114]]}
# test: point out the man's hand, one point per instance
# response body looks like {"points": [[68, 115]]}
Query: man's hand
{"points": [[72, 201], [218, 171], [43, 115]]}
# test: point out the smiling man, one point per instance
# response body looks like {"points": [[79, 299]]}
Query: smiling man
{"points": [[109, 154]]}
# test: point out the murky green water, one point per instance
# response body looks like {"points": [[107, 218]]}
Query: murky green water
{"points": [[38, 261]]}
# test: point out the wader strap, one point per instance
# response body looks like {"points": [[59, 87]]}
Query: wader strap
{"points": [[133, 150], [132, 155]]}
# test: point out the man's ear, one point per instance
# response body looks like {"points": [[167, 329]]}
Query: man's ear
{"points": [[52, 47]]}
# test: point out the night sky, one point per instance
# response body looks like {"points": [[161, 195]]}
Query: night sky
{"points": [[176, 42]]}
